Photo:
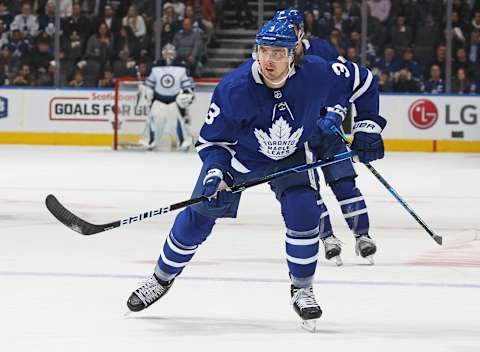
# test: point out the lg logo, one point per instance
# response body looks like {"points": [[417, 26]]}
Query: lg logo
{"points": [[423, 114]]}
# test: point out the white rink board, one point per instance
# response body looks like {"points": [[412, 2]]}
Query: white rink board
{"points": [[91, 111], [64, 292]]}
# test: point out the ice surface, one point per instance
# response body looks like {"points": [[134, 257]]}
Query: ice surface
{"points": [[64, 292]]}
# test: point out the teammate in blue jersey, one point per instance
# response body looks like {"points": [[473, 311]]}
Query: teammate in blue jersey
{"points": [[362, 93], [263, 117], [311, 46]]}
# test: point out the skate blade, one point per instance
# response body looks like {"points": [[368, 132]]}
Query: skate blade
{"points": [[337, 260], [127, 313], [310, 325], [370, 259]]}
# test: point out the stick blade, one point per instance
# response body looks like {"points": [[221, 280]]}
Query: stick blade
{"points": [[72, 221]]}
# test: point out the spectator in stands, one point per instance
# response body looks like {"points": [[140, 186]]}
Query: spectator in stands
{"points": [[462, 8], [435, 83], [401, 34], [178, 8], [197, 24], [335, 38], [379, 9], [474, 53], [23, 77], [98, 53], [460, 31], [136, 23], [388, 62], [408, 62], [170, 25], [5, 15], [39, 58], [19, 48], [71, 52], [339, 21], [352, 54], [475, 24], [441, 58], [3, 34], [189, 45], [78, 80], [404, 83], [26, 22], [46, 22], [385, 83], [461, 84], [353, 12], [461, 61], [77, 23], [112, 22], [126, 52], [45, 78], [65, 7], [311, 26], [107, 81], [209, 15]]}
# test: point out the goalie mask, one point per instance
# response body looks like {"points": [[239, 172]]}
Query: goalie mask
{"points": [[169, 53]]}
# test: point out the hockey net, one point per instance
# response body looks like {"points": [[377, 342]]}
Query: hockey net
{"points": [[130, 115]]}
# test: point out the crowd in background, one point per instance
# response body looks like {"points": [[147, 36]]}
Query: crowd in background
{"points": [[406, 46], [103, 39], [100, 39]]}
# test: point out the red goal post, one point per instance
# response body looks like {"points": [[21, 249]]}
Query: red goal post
{"points": [[129, 116]]}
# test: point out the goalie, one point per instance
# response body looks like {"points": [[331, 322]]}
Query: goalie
{"points": [[168, 90]]}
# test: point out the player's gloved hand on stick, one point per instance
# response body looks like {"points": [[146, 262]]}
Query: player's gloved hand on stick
{"points": [[324, 144], [367, 138], [215, 189], [331, 119]]}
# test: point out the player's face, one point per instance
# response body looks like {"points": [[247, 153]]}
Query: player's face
{"points": [[273, 62]]}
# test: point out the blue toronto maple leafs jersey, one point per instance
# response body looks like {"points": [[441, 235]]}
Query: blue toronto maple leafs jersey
{"points": [[320, 47], [250, 126]]}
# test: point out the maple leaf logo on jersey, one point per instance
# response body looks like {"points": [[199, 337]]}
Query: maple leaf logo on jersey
{"points": [[281, 143]]}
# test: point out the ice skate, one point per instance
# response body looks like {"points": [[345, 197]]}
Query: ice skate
{"points": [[333, 248], [366, 248], [147, 294], [304, 304]]}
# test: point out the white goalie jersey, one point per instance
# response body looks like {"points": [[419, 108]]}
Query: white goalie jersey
{"points": [[167, 82]]}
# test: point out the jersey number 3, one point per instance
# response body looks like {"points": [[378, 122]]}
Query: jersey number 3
{"points": [[339, 68], [213, 112]]}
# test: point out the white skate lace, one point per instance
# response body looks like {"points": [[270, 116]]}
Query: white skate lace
{"points": [[332, 241], [150, 291], [304, 298]]}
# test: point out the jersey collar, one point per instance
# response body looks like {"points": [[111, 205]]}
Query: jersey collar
{"points": [[255, 68]]}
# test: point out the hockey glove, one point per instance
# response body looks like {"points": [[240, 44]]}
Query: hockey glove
{"points": [[323, 143], [331, 119], [216, 190], [184, 100], [367, 140]]}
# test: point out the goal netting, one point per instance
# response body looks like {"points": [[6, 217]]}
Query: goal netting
{"points": [[129, 114]]}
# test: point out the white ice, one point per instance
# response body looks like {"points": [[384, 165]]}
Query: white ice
{"points": [[61, 291]]}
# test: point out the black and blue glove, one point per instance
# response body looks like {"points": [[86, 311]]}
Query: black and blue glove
{"points": [[323, 141], [367, 138]]}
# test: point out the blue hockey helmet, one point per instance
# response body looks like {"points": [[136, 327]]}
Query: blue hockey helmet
{"points": [[277, 33], [290, 15]]}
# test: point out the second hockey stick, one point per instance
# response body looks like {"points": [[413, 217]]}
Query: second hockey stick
{"points": [[83, 227], [384, 182]]}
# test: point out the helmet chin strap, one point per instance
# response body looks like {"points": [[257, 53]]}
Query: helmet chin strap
{"points": [[281, 81]]}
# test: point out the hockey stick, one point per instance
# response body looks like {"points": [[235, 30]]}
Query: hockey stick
{"points": [[384, 182], [85, 228]]}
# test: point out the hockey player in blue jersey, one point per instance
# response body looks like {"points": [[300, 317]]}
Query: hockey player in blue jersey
{"points": [[363, 95], [262, 118]]}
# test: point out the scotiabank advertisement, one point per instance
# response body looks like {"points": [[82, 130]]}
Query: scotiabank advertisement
{"points": [[431, 117]]}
